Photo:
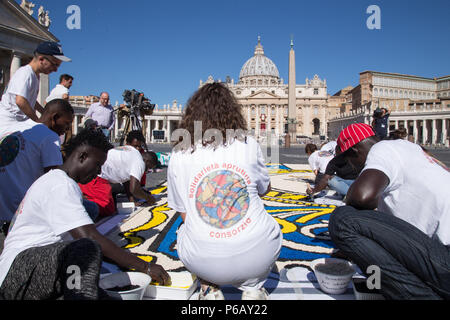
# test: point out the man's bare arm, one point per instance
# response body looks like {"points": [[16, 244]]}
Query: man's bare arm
{"points": [[120, 256], [25, 107], [365, 192], [137, 191]]}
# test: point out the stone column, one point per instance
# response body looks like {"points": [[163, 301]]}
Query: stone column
{"points": [[148, 130], [415, 131], [396, 124], [249, 117], [257, 129], [433, 132], [169, 128], [15, 64], [277, 121], [424, 132], [445, 132]]}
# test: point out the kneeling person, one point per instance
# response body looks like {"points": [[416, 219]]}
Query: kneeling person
{"points": [[124, 165], [35, 252]]}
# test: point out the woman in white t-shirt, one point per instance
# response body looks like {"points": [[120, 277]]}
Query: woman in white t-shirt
{"points": [[215, 182]]}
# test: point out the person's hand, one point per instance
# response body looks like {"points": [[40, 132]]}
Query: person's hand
{"points": [[141, 204], [309, 190], [158, 274]]}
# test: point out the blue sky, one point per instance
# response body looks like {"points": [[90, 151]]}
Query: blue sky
{"points": [[164, 48]]}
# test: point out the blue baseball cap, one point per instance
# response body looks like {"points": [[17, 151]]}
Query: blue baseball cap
{"points": [[52, 49]]}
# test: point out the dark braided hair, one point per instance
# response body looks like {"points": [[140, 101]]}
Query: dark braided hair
{"points": [[90, 137]]}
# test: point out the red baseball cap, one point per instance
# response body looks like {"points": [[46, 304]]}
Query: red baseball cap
{"points": [[353, 134]]}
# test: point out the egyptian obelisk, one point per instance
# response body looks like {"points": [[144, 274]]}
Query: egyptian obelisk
{"points": [[292, 112]]}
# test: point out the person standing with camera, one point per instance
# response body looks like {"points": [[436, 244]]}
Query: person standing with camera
{"points": [[103, 113], [380, 122]]}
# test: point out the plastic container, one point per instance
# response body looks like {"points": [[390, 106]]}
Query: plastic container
{"points": [[122, 279], [333, 281], [182, 287], [362, 292], [125, 207]]}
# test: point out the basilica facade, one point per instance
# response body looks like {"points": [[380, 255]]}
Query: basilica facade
{"points": [[271, 106]]}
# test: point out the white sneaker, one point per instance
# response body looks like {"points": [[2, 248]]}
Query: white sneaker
{"points": [[211, 294], [260, 294]]}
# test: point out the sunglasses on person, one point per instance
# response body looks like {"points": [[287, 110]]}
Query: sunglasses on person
{"points": [[56, 65]]}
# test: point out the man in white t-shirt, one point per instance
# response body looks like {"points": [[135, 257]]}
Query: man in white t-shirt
{"points": [[28, 150], [318, 160], [330, 147], [61, 91], [36, 252], [408, 236], [19, 102], [124, 165]]}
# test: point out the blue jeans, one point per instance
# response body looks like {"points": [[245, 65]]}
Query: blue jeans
{"points": [[340, 185], [107, 133], [413, 265]]}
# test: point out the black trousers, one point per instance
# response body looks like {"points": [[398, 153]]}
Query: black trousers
{"points": [[68, 270], [413, 265]]}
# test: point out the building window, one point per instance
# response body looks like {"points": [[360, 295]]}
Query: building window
{"points": [[238, 92], [316, 91]]}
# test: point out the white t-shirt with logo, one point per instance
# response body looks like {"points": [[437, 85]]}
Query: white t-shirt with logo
{"points": [[23, 83], [26, 148], [418, 190], [319, 160], [52, 207], [218, 190], [122, 163], [57, 93]]}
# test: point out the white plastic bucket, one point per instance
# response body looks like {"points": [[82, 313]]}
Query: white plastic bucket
{"points": [[333, 283], [122, 279]]}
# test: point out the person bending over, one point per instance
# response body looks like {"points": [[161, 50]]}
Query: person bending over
{"points": [[397, 215], [339, 175], [124, 165], [318, 160], [52, 236], [30, 149]]}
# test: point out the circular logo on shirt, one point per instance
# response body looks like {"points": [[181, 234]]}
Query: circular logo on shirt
{"points": [[222, 199], [9, 149]]}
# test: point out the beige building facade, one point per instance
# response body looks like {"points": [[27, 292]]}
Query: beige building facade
{"points": [[419, 104], [270, 105]]}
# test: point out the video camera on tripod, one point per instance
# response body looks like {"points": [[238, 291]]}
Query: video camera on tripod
{"points": [[137, 106], [137, 100]]}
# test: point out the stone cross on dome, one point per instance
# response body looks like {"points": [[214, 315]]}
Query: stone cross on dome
{"points": [[259, 48]]}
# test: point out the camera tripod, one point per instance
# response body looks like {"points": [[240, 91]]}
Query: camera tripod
{"points": [[132, 123]]}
